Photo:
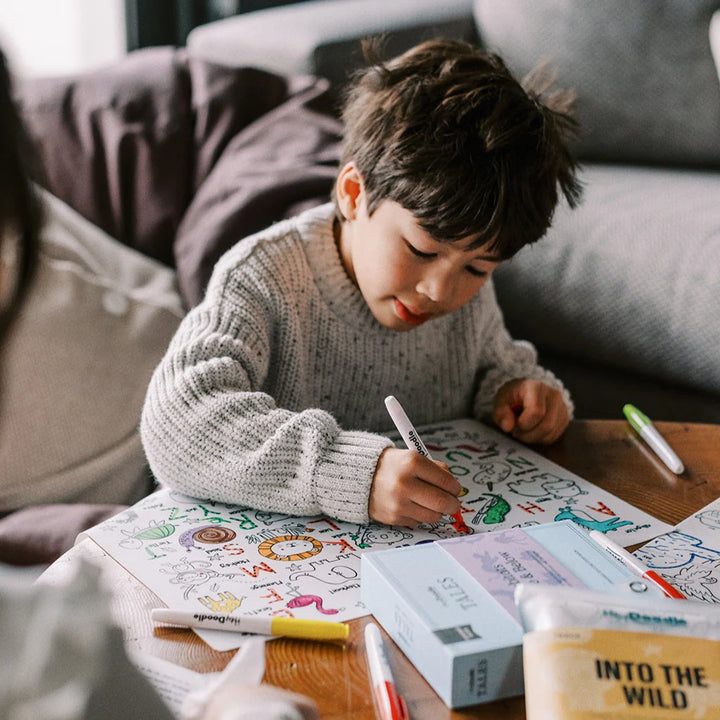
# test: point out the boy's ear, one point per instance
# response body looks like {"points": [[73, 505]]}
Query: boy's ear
{"points": [[348, 190]]}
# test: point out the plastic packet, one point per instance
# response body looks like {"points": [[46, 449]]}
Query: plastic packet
{"points": [[589, 654]]}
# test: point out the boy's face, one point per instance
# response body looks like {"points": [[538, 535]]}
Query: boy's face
{"points": [[406, 277]]}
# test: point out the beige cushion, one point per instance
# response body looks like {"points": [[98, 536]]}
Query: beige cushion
{"points": [[76, 366]]}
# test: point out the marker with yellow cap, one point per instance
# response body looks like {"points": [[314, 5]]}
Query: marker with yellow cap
{"points": [[642, 425], [257, 624]]}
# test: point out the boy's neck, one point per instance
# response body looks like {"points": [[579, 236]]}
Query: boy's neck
{"points": [[341, 243]]}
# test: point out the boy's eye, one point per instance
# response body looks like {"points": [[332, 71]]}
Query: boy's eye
{"points": [[476, 272], [419, 253]]}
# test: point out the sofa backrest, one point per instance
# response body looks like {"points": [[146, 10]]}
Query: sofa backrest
{"points": [[647, 88], [322, 37]]}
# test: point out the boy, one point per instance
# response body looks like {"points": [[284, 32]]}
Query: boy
{"points": [[271, 393]]}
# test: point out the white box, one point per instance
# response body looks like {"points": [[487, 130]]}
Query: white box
{"points": [[449, 604]]}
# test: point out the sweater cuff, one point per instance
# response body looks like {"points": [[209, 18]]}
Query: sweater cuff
{"points": [[345, 472]]}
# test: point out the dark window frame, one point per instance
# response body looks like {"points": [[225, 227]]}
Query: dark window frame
{"points": [[168, 22]]}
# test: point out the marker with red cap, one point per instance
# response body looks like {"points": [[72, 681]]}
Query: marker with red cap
{"points": [[388, 702], [635, 565], [414, 442]]}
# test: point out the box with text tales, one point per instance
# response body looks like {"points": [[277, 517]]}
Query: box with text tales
{"points": [[449, 604]]}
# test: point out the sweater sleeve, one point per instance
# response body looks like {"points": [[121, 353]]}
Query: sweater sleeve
{"points": [[507, 359], [209, 432]]}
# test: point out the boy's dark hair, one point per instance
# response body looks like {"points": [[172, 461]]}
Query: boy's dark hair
{"points": [[447, 132], [20, 212]]}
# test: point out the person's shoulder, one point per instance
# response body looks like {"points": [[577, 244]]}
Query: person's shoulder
{"points": [[279, 237], [274, 256], [285, 236], [316, 221]]}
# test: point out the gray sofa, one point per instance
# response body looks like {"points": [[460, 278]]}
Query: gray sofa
{"points": [[622, 298], [160, 163]]}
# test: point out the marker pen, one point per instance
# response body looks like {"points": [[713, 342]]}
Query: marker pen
{"points": [[414, 442], [257, 624], [642, 425], [389, 703], [630, 561]]}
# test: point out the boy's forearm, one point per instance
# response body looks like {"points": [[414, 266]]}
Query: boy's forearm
{"points": [[238, 448], [344, 474]]}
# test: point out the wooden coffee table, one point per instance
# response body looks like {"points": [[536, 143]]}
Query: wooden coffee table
{"points": [[606, 452]]}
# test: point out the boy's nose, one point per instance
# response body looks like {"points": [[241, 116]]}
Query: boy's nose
{"points": [[437, 286]]}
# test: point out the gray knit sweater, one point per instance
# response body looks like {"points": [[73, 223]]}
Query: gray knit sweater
{"points": [[271, 392]]}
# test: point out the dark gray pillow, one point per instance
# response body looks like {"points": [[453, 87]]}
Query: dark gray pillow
{"points": [[280, 164], [128, 145], [116, 144], [642, 70]]}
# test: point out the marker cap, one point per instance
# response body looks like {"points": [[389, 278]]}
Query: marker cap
{"points": [[313, 629], [643, 426], [635, 417]]}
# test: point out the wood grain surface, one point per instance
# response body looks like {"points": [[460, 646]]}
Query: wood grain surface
{"points": [[605, 452]]}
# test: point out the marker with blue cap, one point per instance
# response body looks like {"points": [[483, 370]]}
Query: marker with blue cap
{"points": [[647, 431]]}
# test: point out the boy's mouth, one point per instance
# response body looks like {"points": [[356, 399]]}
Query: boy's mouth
{"points": [[406, 315]]}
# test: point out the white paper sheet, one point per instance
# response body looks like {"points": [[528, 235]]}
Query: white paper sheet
{"points": [[187, 692], [206, 555], [172, 682], [689, 556]]}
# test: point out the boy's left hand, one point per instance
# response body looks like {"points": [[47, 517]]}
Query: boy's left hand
{"points": [[531, 411]]}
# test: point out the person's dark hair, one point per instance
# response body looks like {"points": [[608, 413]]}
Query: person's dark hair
{"points": [[448, 133], [20, 213]]}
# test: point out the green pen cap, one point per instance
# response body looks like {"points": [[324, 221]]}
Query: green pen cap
{"points": [[636, 418]]}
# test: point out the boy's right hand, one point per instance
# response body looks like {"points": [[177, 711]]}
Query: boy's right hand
{"points": [[409, 488]]}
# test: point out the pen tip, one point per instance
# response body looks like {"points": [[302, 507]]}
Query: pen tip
{"points": [[391, 403]]}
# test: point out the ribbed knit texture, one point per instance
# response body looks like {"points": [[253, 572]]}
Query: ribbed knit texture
{"points": [[271, 392]]}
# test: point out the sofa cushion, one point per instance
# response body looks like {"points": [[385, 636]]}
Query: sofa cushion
{"points": [[322, 37], [224, 101], [275, 167], [116, 145], [629, 279], [646, 86], [40, 534], [76, 366], [128, 145]]}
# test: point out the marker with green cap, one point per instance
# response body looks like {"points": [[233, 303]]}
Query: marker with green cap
{"points": [[645, 429]]}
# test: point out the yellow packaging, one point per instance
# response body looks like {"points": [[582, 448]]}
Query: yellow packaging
{"points": [[582, 673]]}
